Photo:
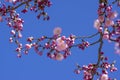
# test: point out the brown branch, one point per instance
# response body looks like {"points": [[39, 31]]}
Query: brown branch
{"points": [[95, 42], [83, 37], [13, 8], [99, 54]]}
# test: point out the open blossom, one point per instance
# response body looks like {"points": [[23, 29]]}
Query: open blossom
{"points": [[61, 45], [112, 15], [59, 56], [109, 22], [57, 31], [104, 77], [101, 18], [60, 40], [97, 24]]}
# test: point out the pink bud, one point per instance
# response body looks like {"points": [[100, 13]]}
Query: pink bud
{"points": [[19, 35], [18, 49], [30, 39], [57, 31], [59, 57], [106, 36], [28, 46], [12, 32], [100, 29], [19, 55], [26, 52], [20, 45], [77, 71], [11, 39]]}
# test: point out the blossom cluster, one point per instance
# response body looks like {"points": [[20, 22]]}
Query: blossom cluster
{"points": [[58, 46], [100, 70], [14, 21], [107, 24]]}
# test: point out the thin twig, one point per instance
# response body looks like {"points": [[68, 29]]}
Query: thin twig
{"points": [[13, 8], [83, 37]]}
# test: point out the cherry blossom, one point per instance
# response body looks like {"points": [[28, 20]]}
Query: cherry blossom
{"points": [[104, 77], [101, 18], [57, 31], [28, 46], [61, 45], [59, 56], [97, 24]]}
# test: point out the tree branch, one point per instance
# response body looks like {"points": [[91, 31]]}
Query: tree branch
{"points": [[83, 37], [22, 3], [99, 54]]}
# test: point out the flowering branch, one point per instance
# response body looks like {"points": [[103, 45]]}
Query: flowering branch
{"points": [[59, 47]]}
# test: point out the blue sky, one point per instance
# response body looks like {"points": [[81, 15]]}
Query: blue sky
{"points": [[74, 17]]}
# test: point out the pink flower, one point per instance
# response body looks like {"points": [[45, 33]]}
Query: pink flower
{"points": [[19, 35], [104, 77], [57, 31], [18, 49], [97, 24], [60, 40], [19, 55], [61, 45], [59, 56], [100, 29], [30, 39], [109, 8], [28, 46], [112, 15], [12, 32], [11, 39], [106, 34], [101, 18], [109, 22]]}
